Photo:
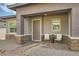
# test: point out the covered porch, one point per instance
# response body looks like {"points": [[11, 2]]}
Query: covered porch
{"points": [[41, 26]]}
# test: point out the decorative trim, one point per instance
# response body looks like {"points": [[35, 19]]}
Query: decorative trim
{"points": [[27, 34], [74, 37], [20, 35], [69, 21], [12, 33]]}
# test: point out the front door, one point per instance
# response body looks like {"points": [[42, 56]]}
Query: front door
{"points": [[36, 30]]}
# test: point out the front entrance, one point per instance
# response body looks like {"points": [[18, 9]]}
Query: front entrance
{"points": [[36, 30]]}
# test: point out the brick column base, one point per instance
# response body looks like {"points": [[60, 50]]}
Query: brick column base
{"points": [[74, 44], [65, 39], [21, 39], [10, 37]]}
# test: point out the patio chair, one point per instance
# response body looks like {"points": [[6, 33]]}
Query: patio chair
{"points": [[58, 37]]}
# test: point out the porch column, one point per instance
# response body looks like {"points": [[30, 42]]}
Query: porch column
{"points": [[20, 29], [74, 42], [75, 22]]}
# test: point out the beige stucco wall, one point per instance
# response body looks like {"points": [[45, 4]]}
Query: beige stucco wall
{"points": [[47, 29], [27, 26], [37, 8], [46, 24]]}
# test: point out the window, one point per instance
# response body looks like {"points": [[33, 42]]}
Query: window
{"points": [[12, 26], [12, 29], [56, 24]]}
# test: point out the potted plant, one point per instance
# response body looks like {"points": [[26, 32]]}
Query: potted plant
{"points": [[52, 38]]}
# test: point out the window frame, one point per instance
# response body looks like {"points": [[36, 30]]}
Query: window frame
{"points": [[9, 26]]}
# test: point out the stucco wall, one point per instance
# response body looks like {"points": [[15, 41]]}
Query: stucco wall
{"points": [[27, 26], [37, 8], [75, 22], [47, 20], [46, 24]]}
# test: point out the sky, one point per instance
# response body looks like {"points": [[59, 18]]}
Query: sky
{"points": [[4, 11]]}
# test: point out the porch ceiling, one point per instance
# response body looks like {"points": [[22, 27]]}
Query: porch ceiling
{"points": [[49, 12]]}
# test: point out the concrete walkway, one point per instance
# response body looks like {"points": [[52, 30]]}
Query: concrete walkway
{"points": [[20, 51], [36, 49], [8, 44], [11, 48], [48, 49]]}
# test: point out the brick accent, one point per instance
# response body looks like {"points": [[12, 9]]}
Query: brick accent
{"points": [[74, 44], [29, 37], [65, 39], [23, 39], [10, 37]]}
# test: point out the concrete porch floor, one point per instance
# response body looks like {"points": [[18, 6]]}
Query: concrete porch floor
{"points": [[51, 49], [36, 49]]}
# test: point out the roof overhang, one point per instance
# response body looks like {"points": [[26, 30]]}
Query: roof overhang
{"points": [[56, 12], [6, 17], [14, 6]]}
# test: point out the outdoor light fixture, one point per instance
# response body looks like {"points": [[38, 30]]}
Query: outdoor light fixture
{"points": [[45, 14]]}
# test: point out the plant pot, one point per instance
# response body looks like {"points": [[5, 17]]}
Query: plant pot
{"points": [[52, 38]]}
